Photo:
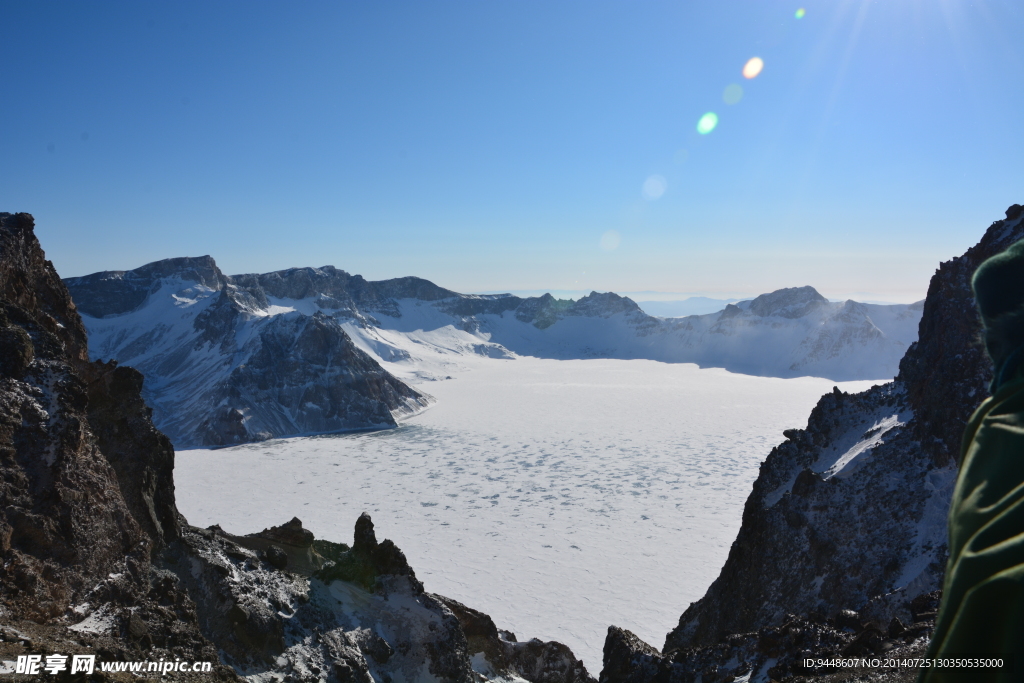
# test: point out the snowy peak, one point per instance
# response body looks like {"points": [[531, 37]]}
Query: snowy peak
{"points": [[411, 288], [334, 289], [300, 283], [792, 302], [201, 269], [546, 310], [302, 374], [542, 311], [114, 292], [603, 305], [797, 331]]}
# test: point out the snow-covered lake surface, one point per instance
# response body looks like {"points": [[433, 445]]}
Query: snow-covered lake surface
{"points": [[558, 496]]}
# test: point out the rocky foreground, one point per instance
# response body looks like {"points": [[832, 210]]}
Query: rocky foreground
{"points": [[97, 560]]}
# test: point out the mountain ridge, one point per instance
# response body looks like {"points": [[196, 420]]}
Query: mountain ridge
{"points": [[222, 371], [199, 336]]}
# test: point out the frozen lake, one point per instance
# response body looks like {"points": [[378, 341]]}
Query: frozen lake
{"points": [[559, 497]]}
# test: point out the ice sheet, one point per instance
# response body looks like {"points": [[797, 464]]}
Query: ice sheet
{"points": [[558, 496]]}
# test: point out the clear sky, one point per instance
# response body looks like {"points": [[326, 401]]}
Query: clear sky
{"points": [[527, 145]]}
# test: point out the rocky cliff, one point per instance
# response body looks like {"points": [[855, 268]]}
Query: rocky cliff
{"points": [[97, 560], [86, 495], [847, 518]]}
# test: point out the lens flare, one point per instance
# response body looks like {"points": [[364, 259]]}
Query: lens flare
{"points": [[610, 241], [654, 187], [707, 123], [733, 94], [680, 156], [800, 13], [753, 67]]}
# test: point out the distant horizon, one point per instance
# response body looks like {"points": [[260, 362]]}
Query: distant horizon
{"points": [[676, 297], [639, 296], [908, 295]]}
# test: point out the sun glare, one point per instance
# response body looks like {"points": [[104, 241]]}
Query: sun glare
{"points": [[753, 67]]}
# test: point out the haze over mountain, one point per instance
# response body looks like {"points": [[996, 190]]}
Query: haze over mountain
{"points": [[230, 359], [679, 308]]}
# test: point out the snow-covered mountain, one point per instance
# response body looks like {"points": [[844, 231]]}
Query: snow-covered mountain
{"points": [[788, 333], [229, 359], [224, 365]]}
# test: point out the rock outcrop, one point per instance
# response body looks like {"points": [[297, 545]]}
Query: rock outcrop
{"points": [[781, 653], [847, 514], [86, 495], [282, 604]]}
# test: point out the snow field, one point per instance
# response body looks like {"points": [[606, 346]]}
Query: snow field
{"points": [[557, 496]]}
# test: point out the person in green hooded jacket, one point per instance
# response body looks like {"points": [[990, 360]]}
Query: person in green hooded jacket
{"points": [[982, 611]]}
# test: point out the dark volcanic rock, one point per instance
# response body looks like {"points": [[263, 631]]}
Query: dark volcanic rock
{"points": [[141, 456], [86, 493], [535, 660], [59, 494], [946, 372], [29, 283], [368, 560], [777, 653], [627, 658], [357, 613]]}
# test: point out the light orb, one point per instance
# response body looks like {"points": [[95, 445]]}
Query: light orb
{"points": [[654, 187], [707, 123], [753, 67], [610, 241]]}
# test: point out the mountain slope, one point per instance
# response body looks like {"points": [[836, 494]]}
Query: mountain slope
{"points": [[788, 333], [224, 366]]}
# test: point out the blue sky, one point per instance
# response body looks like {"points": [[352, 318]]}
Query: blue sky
{"points": [[506, 145]]}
